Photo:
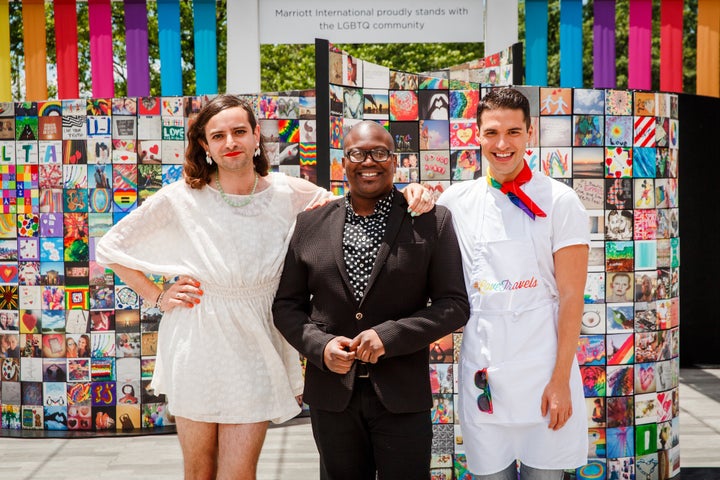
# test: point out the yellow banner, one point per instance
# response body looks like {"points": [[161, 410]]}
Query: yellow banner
{"points": [[5, 68]]}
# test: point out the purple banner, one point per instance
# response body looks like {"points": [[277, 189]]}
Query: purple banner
{"points": [[136, 37], [604, 44]]}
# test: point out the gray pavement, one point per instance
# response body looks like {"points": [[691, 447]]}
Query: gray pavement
{"points": [[289, 451]]}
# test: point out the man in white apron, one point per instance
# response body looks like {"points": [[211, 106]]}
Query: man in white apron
{"points": [[525, 253]]}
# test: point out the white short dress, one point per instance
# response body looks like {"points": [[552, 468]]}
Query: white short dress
{"points": [[222, 361]]}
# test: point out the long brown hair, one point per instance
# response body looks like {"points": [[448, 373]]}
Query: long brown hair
{"points": [[196, 169]]}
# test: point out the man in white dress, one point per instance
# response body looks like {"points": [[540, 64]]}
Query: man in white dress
{"points": [[525, 254]]}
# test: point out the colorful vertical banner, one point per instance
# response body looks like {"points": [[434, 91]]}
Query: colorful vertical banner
{"points": [[536, 34], [66, 42], [571, 43], [5, 67], [206, 80], [169, 39], [33, 12], [136, 39], [101, 54], [640, 45], [604, 44], [708, 48], [671, 45]]}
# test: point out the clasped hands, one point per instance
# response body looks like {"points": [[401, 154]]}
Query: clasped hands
{"points": [[341, 352]]}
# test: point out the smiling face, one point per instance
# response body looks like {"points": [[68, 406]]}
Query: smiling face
{"points": [[369, 180], [503, 137], [231, 140]]}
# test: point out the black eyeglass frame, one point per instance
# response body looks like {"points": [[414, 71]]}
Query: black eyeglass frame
{"points": [[372, 152]]}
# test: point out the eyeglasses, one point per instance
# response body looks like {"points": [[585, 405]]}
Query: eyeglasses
{"points": [[484, 400], [357, 155]]}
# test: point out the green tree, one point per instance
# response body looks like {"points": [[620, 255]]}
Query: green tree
{"points": [[290, 67]]}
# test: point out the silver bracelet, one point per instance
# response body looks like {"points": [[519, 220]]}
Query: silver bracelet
{"points": [[159, 301]]}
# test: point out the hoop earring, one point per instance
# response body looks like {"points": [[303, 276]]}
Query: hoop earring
{"points": [[208, 158], [257, 151]]}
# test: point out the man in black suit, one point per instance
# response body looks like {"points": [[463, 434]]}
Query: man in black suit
{"points": [[353, 298]]}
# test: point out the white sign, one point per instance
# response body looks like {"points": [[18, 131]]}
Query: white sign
{"points": [[371, 21]]}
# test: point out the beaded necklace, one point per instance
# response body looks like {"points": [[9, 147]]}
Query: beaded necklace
{"points": [[232, 202]]}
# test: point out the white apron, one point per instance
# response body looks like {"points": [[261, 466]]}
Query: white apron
{"points": [[512, 332]]}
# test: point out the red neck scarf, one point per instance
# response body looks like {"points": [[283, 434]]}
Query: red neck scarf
{"points": [[516, 195]]}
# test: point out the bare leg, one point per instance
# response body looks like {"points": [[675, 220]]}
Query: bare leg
{"points": [[199, 444], [239, 450]]}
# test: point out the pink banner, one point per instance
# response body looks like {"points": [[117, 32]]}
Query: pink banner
{"points": [[101, 54], [671, 45], [640, 45]]}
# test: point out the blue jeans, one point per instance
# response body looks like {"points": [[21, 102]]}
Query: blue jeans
{"points": [[526, 473]]}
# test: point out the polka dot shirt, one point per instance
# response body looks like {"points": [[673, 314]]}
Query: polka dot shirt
{"points": [[361, 241]]}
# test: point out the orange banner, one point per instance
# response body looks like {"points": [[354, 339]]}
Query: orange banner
{"points": [[708, 48], [33, 13]]}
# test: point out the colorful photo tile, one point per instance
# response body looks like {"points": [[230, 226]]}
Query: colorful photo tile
{"points": [[645, 377], [620, 317], [619, 256], [593, 380], [587, 162], [620, 348], [645, 225], [434, 135], [619, 225], [376, 104], [532, 158], [618, 162], [595, 407], [588, 101], [588, 130], [463, 135], [403, 105], [595, 468], [591, 350], [463, 104], [434, 105], [556, 131], [618, 131], [593, 319], [434, 165], [555, 101], [620, 410], [352, 103], [406, 136], [596, 443], [644, 132], [556, 162], [595, 288]]}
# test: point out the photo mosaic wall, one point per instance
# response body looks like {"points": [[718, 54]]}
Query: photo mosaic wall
{"points": [[78, 346], [619, 151]]}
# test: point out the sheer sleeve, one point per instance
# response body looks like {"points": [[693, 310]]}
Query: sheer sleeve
{"points": [[305, 193], [149, 237]]}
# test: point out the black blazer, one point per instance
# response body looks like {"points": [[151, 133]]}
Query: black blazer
{"points": [[419, 260]]}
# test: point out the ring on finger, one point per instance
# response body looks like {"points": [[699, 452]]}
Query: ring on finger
{"points": [[177, 295]]}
